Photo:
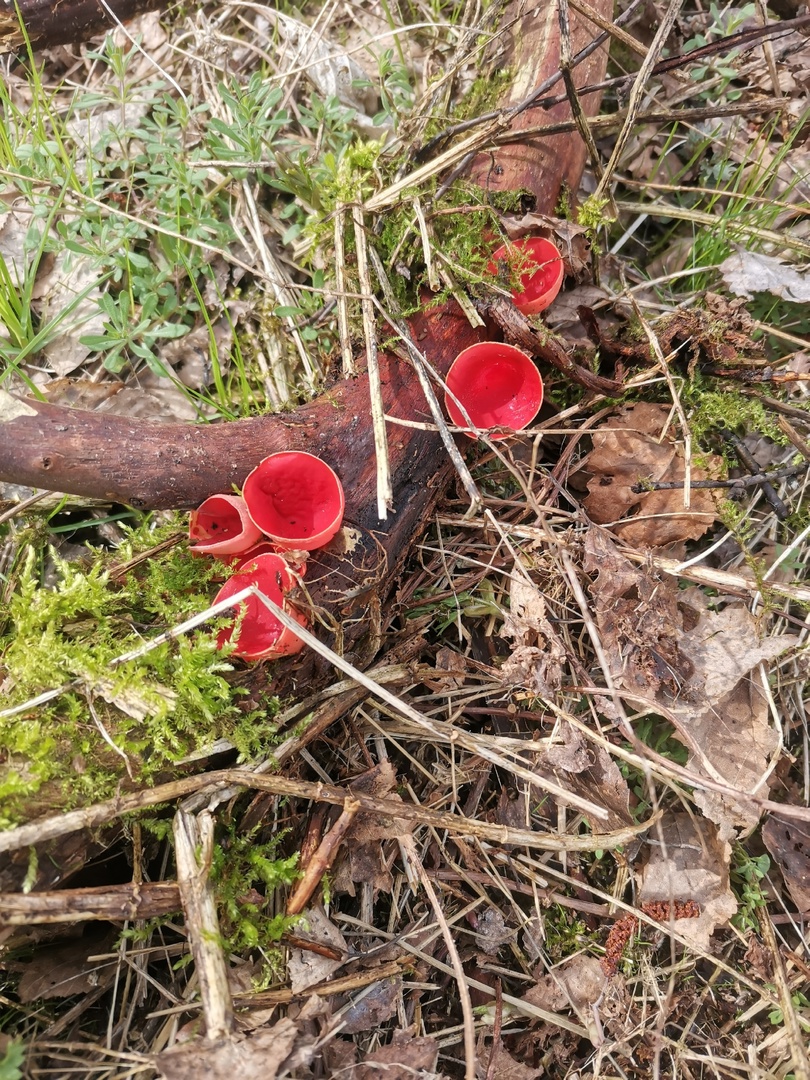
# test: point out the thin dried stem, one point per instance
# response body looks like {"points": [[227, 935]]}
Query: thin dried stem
{"points": [[385, 494]]}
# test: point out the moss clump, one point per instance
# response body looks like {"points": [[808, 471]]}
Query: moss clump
{"points": [[247, 869], [592, 217], [713, 409], [116, 721]]}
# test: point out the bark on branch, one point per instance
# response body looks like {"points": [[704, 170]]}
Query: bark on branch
{"points": [[151, 465]]}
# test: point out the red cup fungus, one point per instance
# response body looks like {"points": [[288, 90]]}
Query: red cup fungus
{"points": [[498, 385], [541, 271], [260, 635], [295, 499], [222, 526]]}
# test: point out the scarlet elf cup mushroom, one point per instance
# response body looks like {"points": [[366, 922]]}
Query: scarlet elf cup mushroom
{"points": [[498, 387], [260, 635], [222, 526], [291, 502], [295, 499], [541, 270]]}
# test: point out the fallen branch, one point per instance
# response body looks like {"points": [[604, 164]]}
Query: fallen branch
{"points": [[150, 465]]}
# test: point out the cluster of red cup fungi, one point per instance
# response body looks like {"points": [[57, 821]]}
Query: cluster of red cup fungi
{"points": [[292, 502], [497, 385]]}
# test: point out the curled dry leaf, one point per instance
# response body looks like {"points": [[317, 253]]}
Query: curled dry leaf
{"points": [[406, 1057], [492, 933], [725, 717], [373, 1007], [749, 272], [537, 658], [306, 968], [262, 1052], [362, 859], [637, 615], [332, 72], [495, 1060], [687, 860], [575, 984], [788, 842], [631, 447], [60, 971], [571, 239], [590, 772]]}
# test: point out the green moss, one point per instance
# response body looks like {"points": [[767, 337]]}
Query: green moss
{"points": [[592, 217], [712, 409], [485, 95], [247, 869], [138, 718]]}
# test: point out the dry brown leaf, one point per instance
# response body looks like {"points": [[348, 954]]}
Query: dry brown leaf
{"points": [[638, 619], [492, 933], [537, 659], [589, 771], [628, 449], [563, 311], [686, 860], [725, 644], [406, 1057], [60, 971], [701, 676], [749, 272], [575, 984], [261, 1053], [362, 858], [306, 968], [371, 1009], [495, 1060], [724, 717], [788, 842]]}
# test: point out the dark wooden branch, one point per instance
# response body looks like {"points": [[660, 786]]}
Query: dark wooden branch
{"points": [[60, 22], [115, 903]]}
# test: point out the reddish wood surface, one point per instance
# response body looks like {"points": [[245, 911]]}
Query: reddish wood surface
{"points": [[149, 465]]}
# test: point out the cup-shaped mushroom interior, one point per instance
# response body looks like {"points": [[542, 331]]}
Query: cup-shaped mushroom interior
{"points": [[296, 499], [222, 526], [498, 385], [260, 634], [541, 271]]}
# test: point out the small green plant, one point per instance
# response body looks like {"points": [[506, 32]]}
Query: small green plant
{"points": [[114, 718], [724, 22], [799, 1001], [246, 871], [396, 91], [746, 877], [12, 1062]]}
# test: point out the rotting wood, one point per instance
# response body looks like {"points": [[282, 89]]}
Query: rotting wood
{"points": [[60, 22], [115, 903]]}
